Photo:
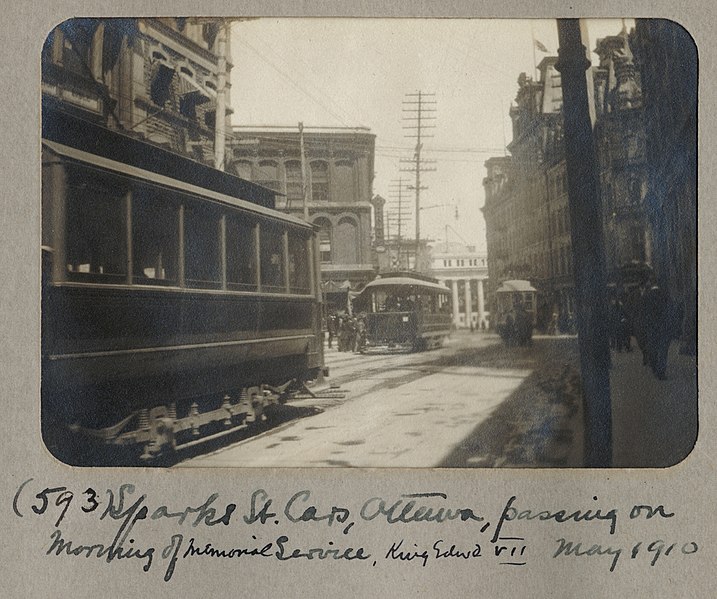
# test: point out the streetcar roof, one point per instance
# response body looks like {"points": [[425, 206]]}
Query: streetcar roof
{"points": [[140, 174], [515, 285], [405, 282]]}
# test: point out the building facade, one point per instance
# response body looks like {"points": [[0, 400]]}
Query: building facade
{"points": [[526, 197], [464, 271], [667, 60], [332, 184], [160, 80]]}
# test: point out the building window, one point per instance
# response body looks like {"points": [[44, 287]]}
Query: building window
{"points": [[637, 244], [319, 181], [635, 191], [294, 181], [268, 175], [242, 169], [324, 239], [344, 183], [347, 241]]}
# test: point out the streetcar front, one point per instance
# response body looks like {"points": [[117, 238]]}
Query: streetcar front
{"points": [[400, 312]]}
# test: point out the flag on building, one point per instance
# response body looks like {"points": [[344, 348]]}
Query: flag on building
{"points": [[540, 46]]}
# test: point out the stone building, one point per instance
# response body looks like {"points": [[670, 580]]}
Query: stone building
{"points": [[336, 178], [157, 79], [526, 196], [463, 271], [667, 60]]}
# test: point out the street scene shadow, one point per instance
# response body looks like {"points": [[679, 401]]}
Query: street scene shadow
{"points": [[540, 423]]}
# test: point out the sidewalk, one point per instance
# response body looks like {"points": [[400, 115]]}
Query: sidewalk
{"points": [[654, 422], [541, 424]]}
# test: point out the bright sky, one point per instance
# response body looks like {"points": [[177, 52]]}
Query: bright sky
{"points": [[356, 72]]}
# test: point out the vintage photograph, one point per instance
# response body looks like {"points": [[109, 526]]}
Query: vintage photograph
{"points": [[369, 243]]}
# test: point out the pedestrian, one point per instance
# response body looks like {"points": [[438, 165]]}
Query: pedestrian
{"points": [[553, 326], [657, 317], [341, 330], [360, 333], [523, 326], [331, 326], [473, 328]]}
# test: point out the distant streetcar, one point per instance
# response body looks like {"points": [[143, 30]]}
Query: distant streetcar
{"points": [[404, 309], [516, 311], [172, 310]]}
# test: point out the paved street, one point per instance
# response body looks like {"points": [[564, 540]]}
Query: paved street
{"points": [[472, 403]]}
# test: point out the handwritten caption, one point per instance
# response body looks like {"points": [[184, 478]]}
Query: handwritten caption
{"points": [[502, 539]]}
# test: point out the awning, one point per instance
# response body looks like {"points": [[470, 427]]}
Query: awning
{"points": [[336, 287], [405, 281], [515, 285], [189, 84]]}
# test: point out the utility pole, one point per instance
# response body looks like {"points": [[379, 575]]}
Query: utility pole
{"points": [[417, 111], [304, 185], [397, 211], [588, 243]]}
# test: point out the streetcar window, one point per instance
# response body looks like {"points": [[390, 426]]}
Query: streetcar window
{"points": [[272, 258], [528, 301], [202, 254], [155, 240], [379, 301], [299, 264], [241, 254], [96, 235]]}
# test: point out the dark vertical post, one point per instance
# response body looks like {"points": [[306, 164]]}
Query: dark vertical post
{"points": [[223, 249], [128, 237], [588, 245]]}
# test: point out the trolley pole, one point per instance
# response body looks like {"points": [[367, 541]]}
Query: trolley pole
{"points": [[588, 244], [304, 185]]}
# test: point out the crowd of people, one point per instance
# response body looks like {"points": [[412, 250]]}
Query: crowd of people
{"points": [[648, 314], [348, 330]]}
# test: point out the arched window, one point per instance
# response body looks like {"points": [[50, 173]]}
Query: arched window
{"points": [[346, 241], [344, 184], [294, 180], [319, 181], [242, 168], [324, 239], [268, 174]]}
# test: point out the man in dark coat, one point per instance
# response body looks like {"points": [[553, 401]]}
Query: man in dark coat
{"points": [[657, 322]]}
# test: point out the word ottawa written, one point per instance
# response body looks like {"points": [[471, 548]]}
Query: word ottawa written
{"points": [[501, 539]]}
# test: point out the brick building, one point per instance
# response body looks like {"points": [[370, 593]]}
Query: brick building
{"points": [[337, 177]]}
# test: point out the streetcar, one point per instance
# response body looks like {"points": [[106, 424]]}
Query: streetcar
{"points": [[404, 310], [516, 311], [177, 304]]}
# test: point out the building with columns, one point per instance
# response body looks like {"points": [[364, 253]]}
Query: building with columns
{"points": [[463, 270]]}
